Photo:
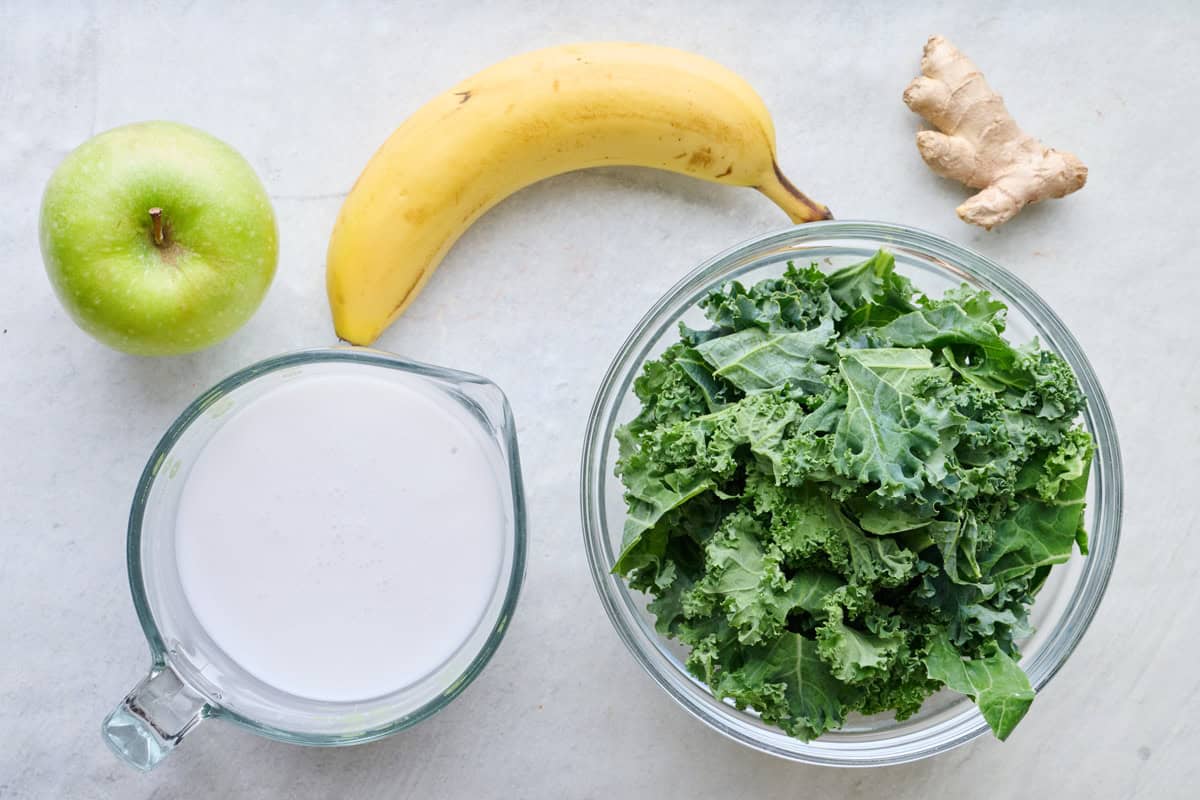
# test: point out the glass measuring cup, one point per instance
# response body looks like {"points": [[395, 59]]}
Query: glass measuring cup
{"points": [[191, 678]]}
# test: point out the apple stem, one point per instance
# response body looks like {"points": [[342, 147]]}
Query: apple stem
{"points": [[160, 240]]}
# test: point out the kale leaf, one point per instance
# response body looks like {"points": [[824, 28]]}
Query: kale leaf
{"points": [[844, 495]]}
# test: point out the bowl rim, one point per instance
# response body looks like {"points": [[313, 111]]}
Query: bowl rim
{"points": [[1107, 484]]}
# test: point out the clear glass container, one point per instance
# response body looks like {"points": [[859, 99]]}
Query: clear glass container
{"points": [[190, 677], [1064, 607]]}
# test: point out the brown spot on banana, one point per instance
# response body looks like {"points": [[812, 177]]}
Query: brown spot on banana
{"points": [[728, 171], [701, 158]]}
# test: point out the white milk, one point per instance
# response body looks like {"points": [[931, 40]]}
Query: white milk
{"points": [[341, 536]]}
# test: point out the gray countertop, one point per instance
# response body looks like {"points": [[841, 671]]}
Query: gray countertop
{"points": [[538, 295]]}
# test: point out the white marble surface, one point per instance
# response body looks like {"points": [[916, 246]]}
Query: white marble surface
{"points": [[538, 296]]}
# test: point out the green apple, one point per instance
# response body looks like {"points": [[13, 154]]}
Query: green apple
{"points": [[158, 238]]}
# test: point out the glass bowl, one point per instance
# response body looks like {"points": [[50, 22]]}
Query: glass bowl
{"points": [[1065, 605]]}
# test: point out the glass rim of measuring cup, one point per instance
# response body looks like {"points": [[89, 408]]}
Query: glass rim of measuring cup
{"points": [[165, 705]]}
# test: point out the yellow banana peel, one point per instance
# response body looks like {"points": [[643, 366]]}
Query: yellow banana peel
{"points": [[525, 119]]}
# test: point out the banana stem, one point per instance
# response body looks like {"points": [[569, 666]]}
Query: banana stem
{"points": [[795, 203]]}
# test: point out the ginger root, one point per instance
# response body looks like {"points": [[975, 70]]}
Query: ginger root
{"points": [[980, 143]]}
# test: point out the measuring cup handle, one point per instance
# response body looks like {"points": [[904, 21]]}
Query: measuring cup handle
{"points": [[152, 719]]}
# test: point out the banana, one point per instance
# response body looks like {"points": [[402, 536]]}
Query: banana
{"points": [[524, 119]]}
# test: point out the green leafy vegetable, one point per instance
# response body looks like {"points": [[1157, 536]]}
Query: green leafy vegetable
{"points": [[873, 288], [844, 496], [755, 361], [789, 685], [893, 431], [997, 685]]}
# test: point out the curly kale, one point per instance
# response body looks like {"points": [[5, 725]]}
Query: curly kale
{"points": [[844, 495]]}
